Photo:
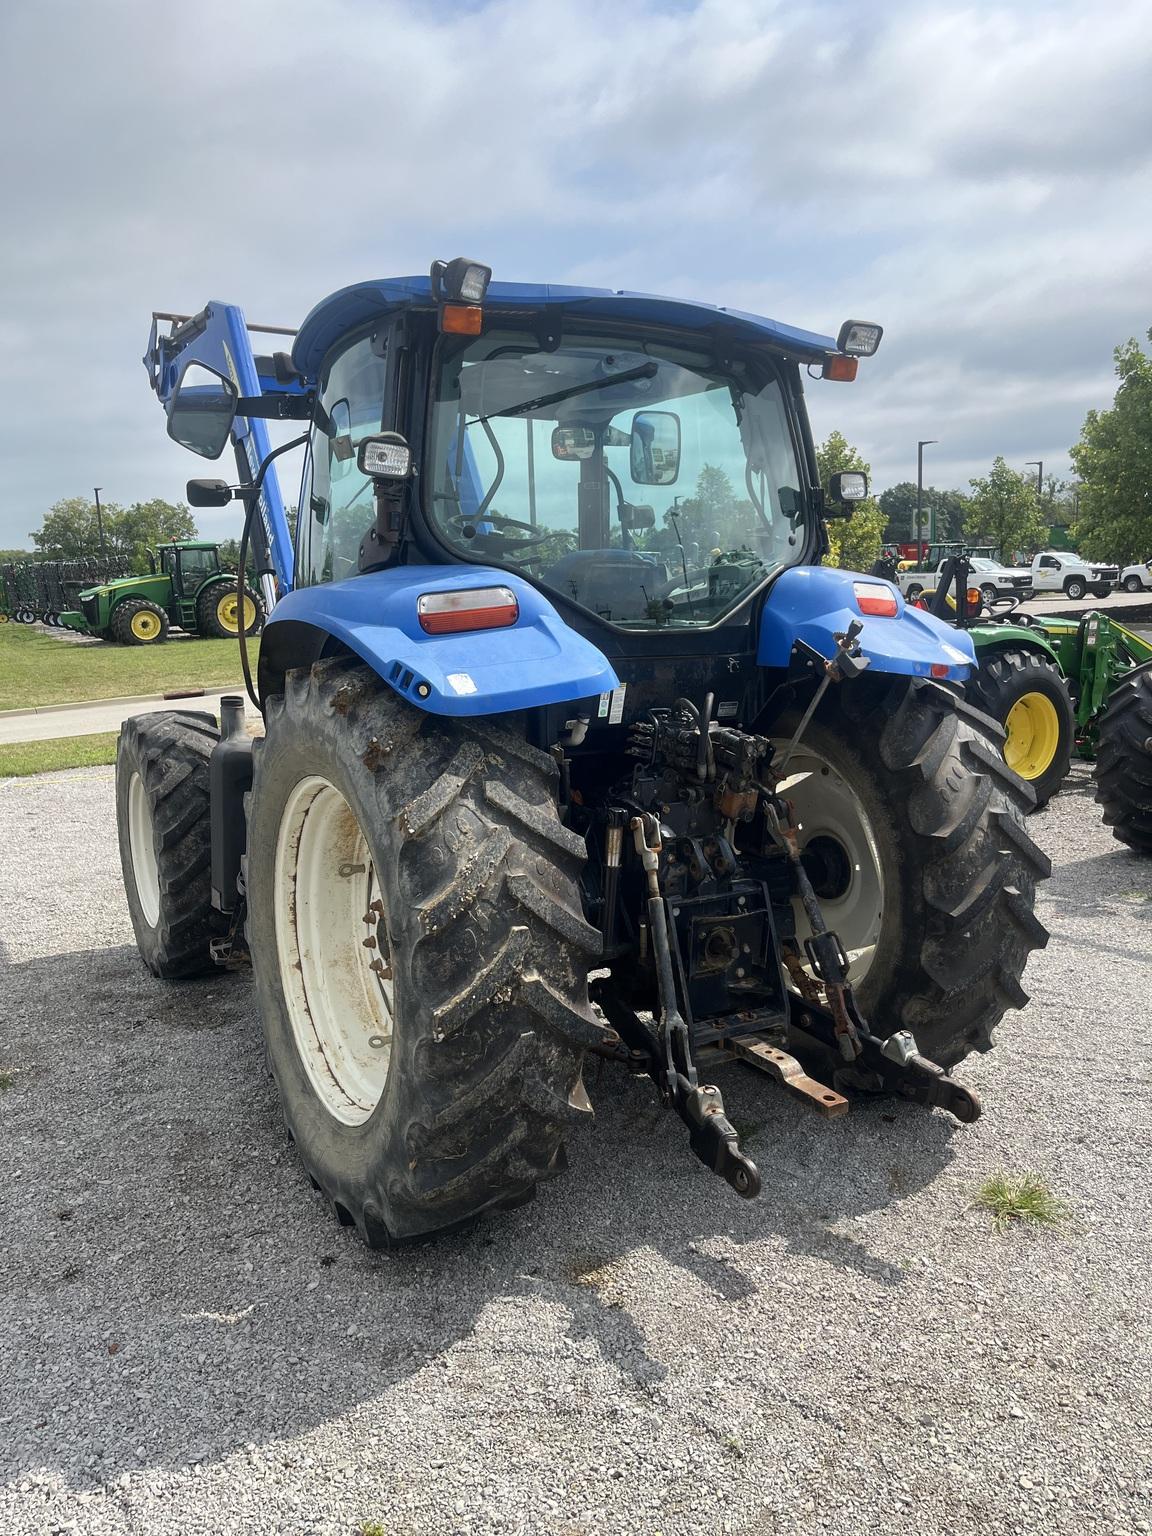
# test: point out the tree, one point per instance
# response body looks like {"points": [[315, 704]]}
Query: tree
{"points": [[1005, 512], [855, 542], [145, 524], [70, 529], [1114, 462]]}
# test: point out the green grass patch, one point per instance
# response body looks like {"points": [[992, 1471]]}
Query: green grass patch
{"points": [[1020, 1199], [22, 757], [37, 669], [7, 1080], [372, 1528]]}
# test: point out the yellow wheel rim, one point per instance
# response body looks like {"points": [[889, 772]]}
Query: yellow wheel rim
{"points": [[1033, 728], [145, 625], [227, 611]]}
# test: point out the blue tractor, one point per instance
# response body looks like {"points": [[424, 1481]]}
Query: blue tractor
{"points": [[572, 746]]}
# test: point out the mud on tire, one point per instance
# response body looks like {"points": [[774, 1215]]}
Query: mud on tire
{"points": [[1124, 763], [174, 921], [489, 953], [960, 870]]}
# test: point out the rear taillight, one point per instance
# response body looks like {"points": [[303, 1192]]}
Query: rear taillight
{"points": [[875, 598], [448, 613]]}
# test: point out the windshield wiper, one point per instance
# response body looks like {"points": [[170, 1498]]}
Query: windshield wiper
{"points": [[645, 371]]}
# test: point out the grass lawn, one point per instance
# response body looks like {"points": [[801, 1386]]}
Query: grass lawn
{"points": [[36, 669], [21, 757]]}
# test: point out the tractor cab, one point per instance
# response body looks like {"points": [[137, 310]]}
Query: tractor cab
{"points": [[188, 565]]}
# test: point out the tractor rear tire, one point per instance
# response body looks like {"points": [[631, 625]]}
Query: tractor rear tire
{"points": [[415, 868], [1124, 760], [956, 869], [1028, 698], [217, 611], [164, 825], [136, 621]]}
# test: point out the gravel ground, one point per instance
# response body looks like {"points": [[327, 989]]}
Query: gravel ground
{"points": [[191, 1344]]}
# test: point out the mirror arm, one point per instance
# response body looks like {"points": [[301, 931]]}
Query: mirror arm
{"points": [[277, 407]]}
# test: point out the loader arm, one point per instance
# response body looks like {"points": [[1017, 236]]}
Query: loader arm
{"points": [[220, 338]]}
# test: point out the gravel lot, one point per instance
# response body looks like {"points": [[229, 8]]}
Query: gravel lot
{"points": [[190, 1344]]}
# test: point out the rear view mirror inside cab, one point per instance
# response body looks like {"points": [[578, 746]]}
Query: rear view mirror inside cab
{"points": [[654, 456]]}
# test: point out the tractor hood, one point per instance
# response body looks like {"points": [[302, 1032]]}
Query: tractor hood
{"points": [[812, 603]]}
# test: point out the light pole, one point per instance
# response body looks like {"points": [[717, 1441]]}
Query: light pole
{"points": [[1038, 465], [920, 447], [99, 520]]}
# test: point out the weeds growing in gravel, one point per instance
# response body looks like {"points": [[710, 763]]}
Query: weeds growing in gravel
{"points": [[1020, 1197], [372, 1528], [7, 1079]]}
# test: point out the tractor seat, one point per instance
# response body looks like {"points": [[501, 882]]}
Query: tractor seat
{"points": [[618, 583]]}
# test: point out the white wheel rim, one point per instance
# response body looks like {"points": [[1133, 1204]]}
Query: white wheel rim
{"points": [[339, 1008], [142, 841], [829, 814]]}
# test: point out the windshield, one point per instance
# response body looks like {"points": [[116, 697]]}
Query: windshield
{"points": [[978, 563], [642, 480]]}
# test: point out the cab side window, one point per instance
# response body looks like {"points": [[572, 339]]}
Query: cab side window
{"points": [[339, 509]]}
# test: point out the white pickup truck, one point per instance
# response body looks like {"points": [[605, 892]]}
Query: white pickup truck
{"points": [[1137, 578], [993, 579], [1058, 570]]}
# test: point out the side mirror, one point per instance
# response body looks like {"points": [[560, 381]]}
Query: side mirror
{"points": [[654, 453], [209, 493], [637, 515], [569, 443], [201, 410]]}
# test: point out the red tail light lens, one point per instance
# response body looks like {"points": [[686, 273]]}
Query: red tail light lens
{"points": [[875, 598], [450, 613]]}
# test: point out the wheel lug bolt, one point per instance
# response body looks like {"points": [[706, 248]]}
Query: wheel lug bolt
{"points": [[369, 942]]}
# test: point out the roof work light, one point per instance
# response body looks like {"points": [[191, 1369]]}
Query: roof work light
{"points": [[859, 338], [460, 281]]}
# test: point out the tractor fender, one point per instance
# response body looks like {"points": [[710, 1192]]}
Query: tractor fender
{"points": [[1015, 637], [813, 603], [535, 661]]}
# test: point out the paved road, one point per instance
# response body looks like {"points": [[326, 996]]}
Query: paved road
{"points": [[104, 715], [190, 1344]]}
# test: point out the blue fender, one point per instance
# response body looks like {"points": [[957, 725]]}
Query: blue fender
{"points": [[538, 660], [813, 602]]}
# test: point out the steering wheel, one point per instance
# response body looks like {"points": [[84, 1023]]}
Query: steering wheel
{"points": [[463, 523], [1004, 604]]}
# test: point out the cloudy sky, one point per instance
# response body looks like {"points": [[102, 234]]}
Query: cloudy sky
{"points": [[977, 177]]}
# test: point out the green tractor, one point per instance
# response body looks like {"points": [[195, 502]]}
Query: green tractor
{"points": [[1046, 679], [187, 587]]}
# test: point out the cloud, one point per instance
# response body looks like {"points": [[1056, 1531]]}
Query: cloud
{"points": [[975, 176]]}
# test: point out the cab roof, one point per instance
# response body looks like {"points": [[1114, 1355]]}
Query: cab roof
{"points": [[362, 303]]}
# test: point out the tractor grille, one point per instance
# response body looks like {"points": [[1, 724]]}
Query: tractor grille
{"points": [[90, 609]]}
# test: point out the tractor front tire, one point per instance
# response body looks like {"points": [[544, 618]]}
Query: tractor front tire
{"points": [[136, 621], [420, 951], [164, 826], [1028, 698], [1124, 760], [218, 611], [912, 831]]}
